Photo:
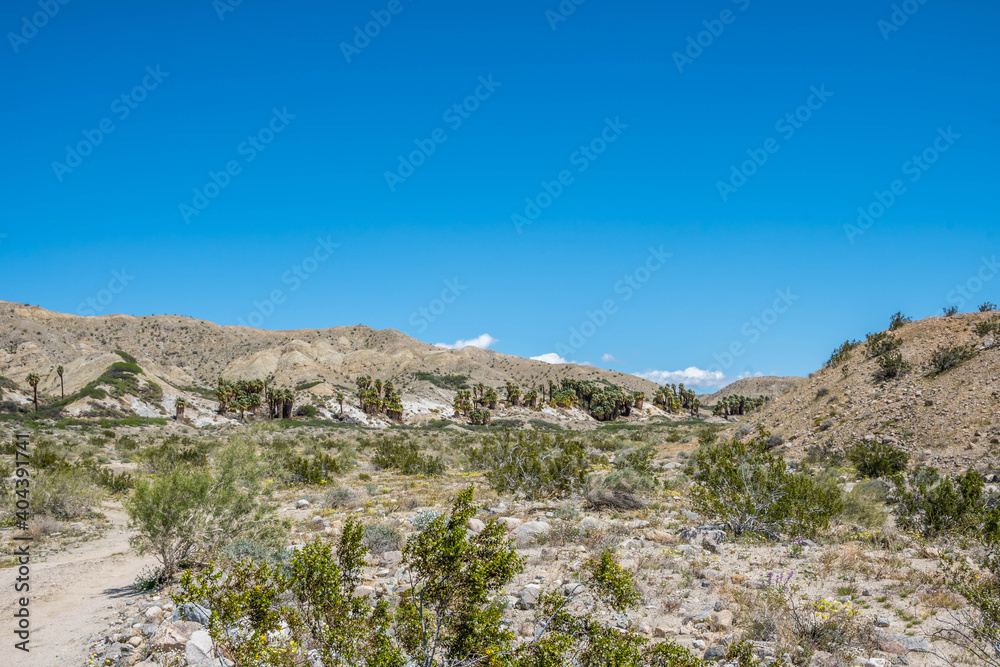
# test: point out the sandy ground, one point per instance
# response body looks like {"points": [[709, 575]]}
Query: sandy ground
{"points": [[73, 596]]}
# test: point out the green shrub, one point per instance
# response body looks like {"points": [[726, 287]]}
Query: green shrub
{"points": [[450, 382], [454, 614], [7, 383], [538, 465], [891, 365], [339, 497], [875, 459], [898, 320], [950, 311], [380, 537], [753, 491], [989, 328], [933, 504], [308, 411], [189, 512], [946, 357], [127, 357], [865, 505], [63, 493], [258, 552], [404, 456], [316, 469], [877, 344], [987, 307], [842, 353]]}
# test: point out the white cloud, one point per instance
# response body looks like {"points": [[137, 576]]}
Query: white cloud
{"points": [[608, 357], [553, 358], [691, 377], [483, 341]]}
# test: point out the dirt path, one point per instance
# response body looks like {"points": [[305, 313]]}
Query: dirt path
{"points": [[74, 595]]}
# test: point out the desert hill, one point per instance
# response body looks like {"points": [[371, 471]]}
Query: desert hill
{"points": [[945, 419], [753, 387], [185, 356]]}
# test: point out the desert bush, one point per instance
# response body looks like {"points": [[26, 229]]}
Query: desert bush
{"points": [[950, 311], [308, 411], [989, 328], [891, 365], [380, 537], [933, 504], [708, 434], [190, 511], [865, 505], [897, 320], [753, 491], [338, 497], [538, 465], [987, 307], [454, 614], [259, 552], [404, 456], [946, 357], [317, 469], [876, 459], [842, 353], [877, 344], [63, 493]]}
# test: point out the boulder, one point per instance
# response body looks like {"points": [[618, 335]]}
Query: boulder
{"points": [[591, 523], [173, 636], [199, 647], [716, 652], [192, 612], [390, 558], [528, 596], [476, 526], [302, 503], [526, 532]]}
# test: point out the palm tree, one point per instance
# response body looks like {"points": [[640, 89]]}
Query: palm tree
{"points": [[340, 399], [180, 404], [62, 385], [33, 380]]}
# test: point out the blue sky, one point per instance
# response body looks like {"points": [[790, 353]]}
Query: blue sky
{"points": [[658, 189]]}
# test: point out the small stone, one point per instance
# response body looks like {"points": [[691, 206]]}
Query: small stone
{"points": [[699, 644], [135, 641], [528, 596], [476, 526], [302, 503], [364, 592], [881, 622], [716, 652]]}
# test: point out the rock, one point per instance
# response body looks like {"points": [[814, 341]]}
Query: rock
{"points": [[302, 503], [199, 647], [528, 596], [639, 523], [153, 613], [717, 652], [661, 631], [711, 545], [114, 653], [527, 532], [364, 592], [317, 523], [476, 526], [149, 629], [511, 522], [173, 636], [695, 618], [723, 619], [658, 536], [390, 558], [192, 612], [572, 588], [866, 593], [876, 662], [881, 622], [135, 641], [591, 523], [893, 647], [699, 644], [915, 644]]}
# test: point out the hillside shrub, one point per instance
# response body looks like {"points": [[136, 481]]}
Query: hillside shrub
{"points": [[987, 307], [876, 459], [891, 365], [537, 465], [950, 311], [865, 505], [877, 344], [753, 491], [946, 357], [63, 493], [898, 320], [380, 537], [842, 353], [989, 328]]}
